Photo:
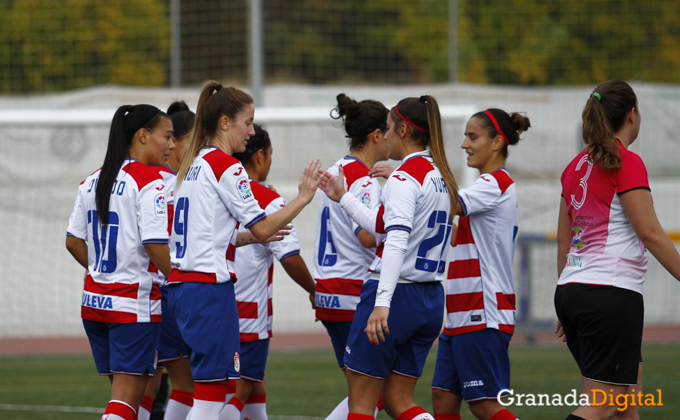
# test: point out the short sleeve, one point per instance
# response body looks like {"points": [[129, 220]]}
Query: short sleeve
{"points": [[400, 196], [289, 245], [77, 223], [632, 175], [152, 216], [237, 195], [482, 195]]}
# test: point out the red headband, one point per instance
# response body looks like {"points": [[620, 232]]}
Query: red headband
{"points": [[498, 129], [409, 122]]}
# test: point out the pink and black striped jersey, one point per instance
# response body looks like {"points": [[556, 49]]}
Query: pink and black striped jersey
{"points": [[119, 287], [255, 271], [340, 261], [479, 291], [604, 249], [215, 195]]}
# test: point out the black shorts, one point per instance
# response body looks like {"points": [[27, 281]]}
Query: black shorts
{"points": [[603, 325]]}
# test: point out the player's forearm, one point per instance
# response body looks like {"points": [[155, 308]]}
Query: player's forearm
{"points": [[297, 270], [78, 248], [160, 256], [274, 222], [362, 215]]}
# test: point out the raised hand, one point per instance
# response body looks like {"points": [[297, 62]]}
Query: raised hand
{"points": [[333, 186], [309, 181]]}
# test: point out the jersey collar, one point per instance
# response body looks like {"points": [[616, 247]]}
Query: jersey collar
{"points": [[424, 153]]}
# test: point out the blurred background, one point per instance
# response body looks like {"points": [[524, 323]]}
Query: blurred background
{"points": [[66, 65]]}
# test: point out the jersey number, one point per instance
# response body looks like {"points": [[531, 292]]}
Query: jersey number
{"points": [[438, 220], [583, 183], [180, 225], [327, 254], [105, 239]]}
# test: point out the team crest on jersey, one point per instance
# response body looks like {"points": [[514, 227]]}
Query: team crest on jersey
{"points": [[160, 205], [237, 362], [366, 199], [244, 189]]}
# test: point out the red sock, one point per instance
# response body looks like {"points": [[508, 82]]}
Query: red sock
{"points": [[379, 406], [238, 404], [186, 398], [210, 392], [231, 387], [503, 415], [257, 399], [356, 416], [121, 409], [440, 416], [411, 413], [147, 403]]}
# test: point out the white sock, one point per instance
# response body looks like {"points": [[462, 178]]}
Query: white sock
{"points": [[144, 412], [341, 411], [232, 410], [208, 401], [206, 410], [179, 405], [255, 408]]}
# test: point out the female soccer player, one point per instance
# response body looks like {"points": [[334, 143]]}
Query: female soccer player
{"points": [[606, 221], [212, 195], [118, 226], [343, 250], [254, 269], [416, 213], [472, 361]]}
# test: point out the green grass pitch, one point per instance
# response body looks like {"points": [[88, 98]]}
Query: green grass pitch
{"points": [[310, 384]]}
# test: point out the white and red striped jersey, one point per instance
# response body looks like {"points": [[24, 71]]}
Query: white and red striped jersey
{"points": [[169, 177], [340, 261], [119, 287], [415, 199], [215, 195], [479, 291], [255, 270], [604, 249]]}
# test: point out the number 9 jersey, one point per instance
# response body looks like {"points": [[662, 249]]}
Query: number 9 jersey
{"points": [[119, 287]]}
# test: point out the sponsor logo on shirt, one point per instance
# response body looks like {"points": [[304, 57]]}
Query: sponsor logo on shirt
{"points": [[324, 301], [578, 243], [576, 262], [366, 199], [160, 205], [244, 189], [97, 302]]}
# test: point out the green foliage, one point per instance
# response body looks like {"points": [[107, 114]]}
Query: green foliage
{"points": [[52, 45]]}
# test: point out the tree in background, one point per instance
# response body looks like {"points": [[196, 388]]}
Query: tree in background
{"points": [[48, 45]]}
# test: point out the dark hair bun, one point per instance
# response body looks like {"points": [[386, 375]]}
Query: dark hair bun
{"points": [[347, 107], [177, 106], [519, 122]]}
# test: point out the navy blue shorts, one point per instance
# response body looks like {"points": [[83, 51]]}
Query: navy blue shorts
{"points": [[171, 345], [207, 318], [415, 320], [123, 348], [338, 331], [254, 359], [475, 365]]}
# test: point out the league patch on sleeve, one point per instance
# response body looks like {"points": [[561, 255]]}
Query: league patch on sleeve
{"points": [[244, 189], [366, 199], [160, 206]]}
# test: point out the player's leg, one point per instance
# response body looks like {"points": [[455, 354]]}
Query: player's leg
{"points": [[363, 395], [256, 404], [253, 363], [338, 332], [632, 412], [446, 405], [397, 394], [152, 387], [447, 390], [182, 395]]}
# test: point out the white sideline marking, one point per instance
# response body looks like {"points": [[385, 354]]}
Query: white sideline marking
{"points": [[100, 410]]}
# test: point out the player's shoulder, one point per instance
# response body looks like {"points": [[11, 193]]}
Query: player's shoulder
{"points": [[142, 174], [500, 177], [263, 195], [417, 167], [94, 174], [354, 170], [219, 162], [165, 169]]}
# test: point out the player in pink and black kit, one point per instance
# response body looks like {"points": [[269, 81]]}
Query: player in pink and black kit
{"points": [[343, 251], [472, 361], [400, 312], [255, 271], [117, 229], [212, 196], [606, 223]]}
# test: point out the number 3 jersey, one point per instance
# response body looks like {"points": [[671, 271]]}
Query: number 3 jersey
{"points": [[119, 287], [340, 261], [215, 195], [479, 290], [604, 248], [255, 271]]}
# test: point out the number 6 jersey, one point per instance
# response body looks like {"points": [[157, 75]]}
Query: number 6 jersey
{"points": [[119, 287]]}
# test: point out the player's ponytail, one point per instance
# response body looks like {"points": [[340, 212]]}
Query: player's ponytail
{"points": [[214, 102], [127, 120], [360, 118], [424, 123], [604, 114], [511, 126]]}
